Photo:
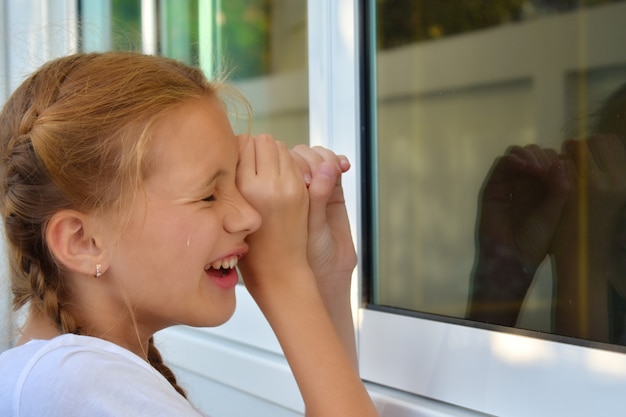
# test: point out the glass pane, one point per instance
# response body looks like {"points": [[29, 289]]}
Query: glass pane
{"points": [[179, 36], [501, 163], [263, 43], [260, 44], [110, 25]]}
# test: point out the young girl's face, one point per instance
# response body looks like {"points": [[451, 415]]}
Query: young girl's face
{"points": [[174, 262]]}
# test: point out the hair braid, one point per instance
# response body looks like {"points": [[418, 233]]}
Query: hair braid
{"points": [[30, 198], [156, 360]]}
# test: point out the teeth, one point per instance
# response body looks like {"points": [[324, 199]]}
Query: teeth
{"points": [[226, 263]]}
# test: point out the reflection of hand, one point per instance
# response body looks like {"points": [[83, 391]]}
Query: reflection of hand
{"points": [[522, 202], [521, 205]]}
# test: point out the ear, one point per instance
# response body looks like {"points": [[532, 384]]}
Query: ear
{"points": [[71, 239]]}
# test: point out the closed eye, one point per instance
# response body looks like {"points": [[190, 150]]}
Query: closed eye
{"points": [[209, 198]]}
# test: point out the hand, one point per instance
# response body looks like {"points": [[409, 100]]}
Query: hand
{"points": [[270, 180], [278, 275], [330, 249]]}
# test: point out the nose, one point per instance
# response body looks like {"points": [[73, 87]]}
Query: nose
{"points": [[242, 217]]}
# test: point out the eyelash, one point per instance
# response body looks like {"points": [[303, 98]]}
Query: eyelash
{"points": [[209, 198]]}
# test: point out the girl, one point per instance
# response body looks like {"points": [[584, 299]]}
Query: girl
{"points": [[128, 203]]}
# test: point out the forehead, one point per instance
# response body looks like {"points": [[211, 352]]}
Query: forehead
{"points": [[191, 141]]}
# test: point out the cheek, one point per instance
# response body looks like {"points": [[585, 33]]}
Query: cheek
{"points": [[194, 233]]}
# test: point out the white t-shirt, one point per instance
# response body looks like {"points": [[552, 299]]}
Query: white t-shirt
{"points": [[73, 376]]}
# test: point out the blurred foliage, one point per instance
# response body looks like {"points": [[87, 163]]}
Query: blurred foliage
{"points": [[402, 22], [244, 32], [179, 36], [126, 25], [245, 35]]}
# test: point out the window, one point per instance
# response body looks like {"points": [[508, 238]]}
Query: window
{"points": [[456, 314], [465, 236]]}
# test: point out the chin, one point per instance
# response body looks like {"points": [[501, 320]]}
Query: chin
{"points": [[214, 319]]}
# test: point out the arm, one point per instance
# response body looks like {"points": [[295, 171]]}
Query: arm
{"points": [[277, 274], [330, 249], [587, 249]]}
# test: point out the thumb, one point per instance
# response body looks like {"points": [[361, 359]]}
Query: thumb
{"points": [[320, 190], [559, 183]]}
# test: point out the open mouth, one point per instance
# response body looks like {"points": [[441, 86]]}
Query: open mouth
{"points": [[223, 267]]}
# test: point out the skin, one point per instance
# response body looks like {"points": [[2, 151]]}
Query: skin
{"points": [[189, 215], [330, 249], [288, 292]]}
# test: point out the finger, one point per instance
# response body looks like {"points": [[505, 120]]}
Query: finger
{"points": [[266, 157], [303, 166], [341, 162], [509, 164], [287, 166], [578, 154], [247, 156], [559, 184], [321, 189], [527, 154], [344, 163], [317, 154], [551, 154], [312, 158], [541, 156], [328, 156]]}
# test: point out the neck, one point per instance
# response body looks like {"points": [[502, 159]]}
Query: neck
{"points": [[38, 326]]}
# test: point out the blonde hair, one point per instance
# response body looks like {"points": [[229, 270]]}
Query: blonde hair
{"points": [[74, 135]]}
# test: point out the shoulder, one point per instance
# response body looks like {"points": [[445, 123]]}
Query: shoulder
{"points": [[103, 379]]}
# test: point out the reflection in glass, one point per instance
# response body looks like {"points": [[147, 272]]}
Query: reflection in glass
{"points": [[490, 137]]}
